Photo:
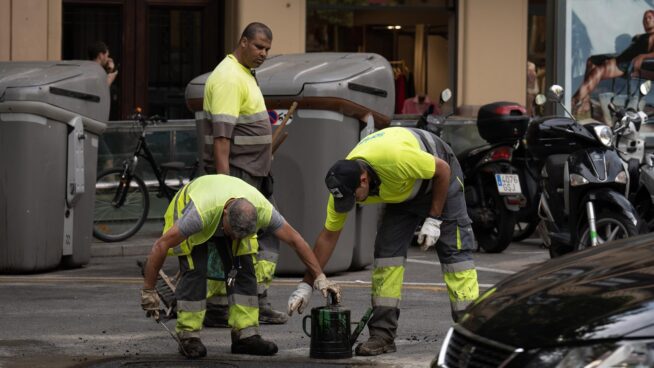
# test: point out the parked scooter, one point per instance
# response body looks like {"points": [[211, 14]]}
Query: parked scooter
{"points": [[528, 167], [491, 182], [631, 148], [584, 183]]}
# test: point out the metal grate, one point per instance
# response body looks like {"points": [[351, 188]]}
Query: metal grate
{"points": [[467, 350]]}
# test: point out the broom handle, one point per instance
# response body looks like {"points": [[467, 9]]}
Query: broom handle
{"points": [[278, 131]]}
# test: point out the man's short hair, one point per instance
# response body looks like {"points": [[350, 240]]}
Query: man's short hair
{"points": [[253, 28], [242, 218], [96, 48]]}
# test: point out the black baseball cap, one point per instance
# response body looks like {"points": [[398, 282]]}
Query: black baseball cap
{"points": [[342, 180]]}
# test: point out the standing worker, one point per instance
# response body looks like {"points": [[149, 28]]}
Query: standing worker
{"points": [[237, 142], [418, 177], [222, 213]]}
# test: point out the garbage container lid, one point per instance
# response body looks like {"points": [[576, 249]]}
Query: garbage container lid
{"points": [[56, 89], [287, 74], [33, 74]]}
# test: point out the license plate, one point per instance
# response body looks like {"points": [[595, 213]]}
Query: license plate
{"points": [[508, 183]]}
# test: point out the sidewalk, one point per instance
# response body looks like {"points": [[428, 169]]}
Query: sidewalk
{"points": [[138, 245]]}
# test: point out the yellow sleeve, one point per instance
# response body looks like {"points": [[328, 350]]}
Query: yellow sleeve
{"points": [[226, 99], [335, 220]]}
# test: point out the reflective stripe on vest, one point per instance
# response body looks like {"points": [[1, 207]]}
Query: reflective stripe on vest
{"points": [[427, 144]]}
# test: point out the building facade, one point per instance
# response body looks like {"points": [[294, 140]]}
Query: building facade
{"points": [[478, 48]]}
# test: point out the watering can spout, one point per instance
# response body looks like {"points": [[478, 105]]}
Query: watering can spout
{"points": [[362, 323]]}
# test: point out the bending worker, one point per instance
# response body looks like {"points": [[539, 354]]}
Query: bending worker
{"points": [[417, 175], [237, 142], [221, 212]]}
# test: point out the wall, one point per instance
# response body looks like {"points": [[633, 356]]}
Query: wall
{"points": [[492, 51], [30, 30], [438, 72], [286, 19]]}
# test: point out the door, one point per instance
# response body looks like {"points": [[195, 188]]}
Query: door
{"points": [[159, 46]]}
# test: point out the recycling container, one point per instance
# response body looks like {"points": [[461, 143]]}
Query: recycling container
{"points": [[340, 96], [51, 114]]}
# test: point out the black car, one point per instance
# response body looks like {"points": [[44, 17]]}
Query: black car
{"points": [[591, 309]]}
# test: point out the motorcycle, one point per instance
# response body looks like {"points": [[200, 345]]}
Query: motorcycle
{"points": [[584, 182], [491, 182]]}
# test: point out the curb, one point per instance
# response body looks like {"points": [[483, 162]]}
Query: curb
{"points": [[120, 249]]}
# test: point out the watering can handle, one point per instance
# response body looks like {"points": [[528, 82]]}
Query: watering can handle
{"points": [[304, 324], [360, 326]]}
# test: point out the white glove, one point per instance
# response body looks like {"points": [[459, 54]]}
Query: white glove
{"points": [[150, 303], [326, 287], [429, 233], [300, 298]]}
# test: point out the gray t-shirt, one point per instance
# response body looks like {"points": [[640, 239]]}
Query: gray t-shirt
{"points": [[191, 223]]}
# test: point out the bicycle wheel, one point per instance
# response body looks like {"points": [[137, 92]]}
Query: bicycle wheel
{"points": [[115, 218]]}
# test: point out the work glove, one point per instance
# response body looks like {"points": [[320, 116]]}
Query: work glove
{"points": [[150, 303], [429, 233], [300, 298], [327, 287]]}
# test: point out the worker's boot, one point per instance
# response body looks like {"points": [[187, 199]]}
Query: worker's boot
{"points": [[216, 315], [383, 329], [253, 345], [457, 315], [267, 315], [374, 346], [192, 348]]}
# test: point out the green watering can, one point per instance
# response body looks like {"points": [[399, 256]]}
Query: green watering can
{"points": [[330, 331]]}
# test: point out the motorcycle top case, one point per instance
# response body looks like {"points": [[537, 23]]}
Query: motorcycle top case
{"points": [[502, 121], [547, 136]]}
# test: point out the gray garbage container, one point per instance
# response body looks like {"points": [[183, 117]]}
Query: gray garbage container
{"points": [[337, 94], [51, 114]]}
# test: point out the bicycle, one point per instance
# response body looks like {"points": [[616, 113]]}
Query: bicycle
{"points": [[122, 200]]}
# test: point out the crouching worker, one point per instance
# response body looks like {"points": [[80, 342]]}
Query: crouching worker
{"points": [[418, 177], [223, 212]]}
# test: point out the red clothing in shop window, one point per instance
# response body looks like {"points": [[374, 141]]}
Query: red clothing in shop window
{"points": [[418, 105], [400, 92]]}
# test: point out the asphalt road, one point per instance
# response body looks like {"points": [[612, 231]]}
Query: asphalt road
{"points": [[91, 316]]}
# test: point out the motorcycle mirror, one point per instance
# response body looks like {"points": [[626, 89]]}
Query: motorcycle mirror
{"points": [[645, 87], [555, 93], [649, 159], [446, 95], [540, 99]]}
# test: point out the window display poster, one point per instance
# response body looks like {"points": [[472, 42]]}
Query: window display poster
{"points": [[605, 43]]}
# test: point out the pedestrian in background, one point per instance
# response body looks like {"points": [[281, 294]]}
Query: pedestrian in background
{"points": [[99, 52]]}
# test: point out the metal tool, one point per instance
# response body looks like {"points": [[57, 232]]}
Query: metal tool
{"points": [[174, 335]]}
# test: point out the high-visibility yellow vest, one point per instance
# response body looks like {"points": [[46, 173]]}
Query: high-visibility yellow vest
{"points": [[209, 194]]}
